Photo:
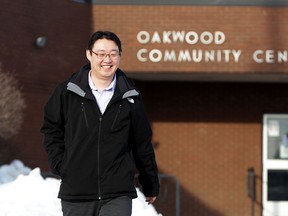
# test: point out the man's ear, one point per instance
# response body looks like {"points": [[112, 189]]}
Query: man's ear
{"points": [[88, 54]]}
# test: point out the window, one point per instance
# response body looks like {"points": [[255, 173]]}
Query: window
{"points": [[278, 185]]}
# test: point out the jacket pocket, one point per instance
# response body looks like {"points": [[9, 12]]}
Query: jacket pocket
{"points": [[63, 165], [116, 117], [84, 114]]}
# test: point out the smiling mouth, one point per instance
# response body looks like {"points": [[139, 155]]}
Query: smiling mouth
{"points": [[107, 66]]}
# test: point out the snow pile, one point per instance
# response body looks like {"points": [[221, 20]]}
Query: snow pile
{"points": [[30, 195], [25, 192], [10, 172]]}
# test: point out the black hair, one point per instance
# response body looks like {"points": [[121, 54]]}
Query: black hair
{"points": [[104, 35]]}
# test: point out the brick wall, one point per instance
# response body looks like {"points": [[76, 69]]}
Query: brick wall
{"points": [[245, 28], [208, 135], [67, 27]]}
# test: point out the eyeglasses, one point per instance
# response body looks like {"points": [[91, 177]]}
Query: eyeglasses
{"points": [[102, 55]]}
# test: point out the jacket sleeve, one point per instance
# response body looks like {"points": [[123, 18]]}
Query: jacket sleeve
{"points": [[143, 151], [53, 131]]}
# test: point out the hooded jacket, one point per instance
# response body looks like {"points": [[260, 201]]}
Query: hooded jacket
{"points": [[95, 154]]}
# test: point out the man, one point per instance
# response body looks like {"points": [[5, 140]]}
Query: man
{"points": [[95, 129]]}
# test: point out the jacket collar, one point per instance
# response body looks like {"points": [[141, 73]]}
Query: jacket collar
{"points": [[79, 84]]}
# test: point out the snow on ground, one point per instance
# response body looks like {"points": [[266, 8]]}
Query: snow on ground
{"points": [[24, 192]]}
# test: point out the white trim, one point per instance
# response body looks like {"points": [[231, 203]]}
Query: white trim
{"points": [[272, 208]]}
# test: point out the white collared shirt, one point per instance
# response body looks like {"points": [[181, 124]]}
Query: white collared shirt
{"points": [[102, 97]]}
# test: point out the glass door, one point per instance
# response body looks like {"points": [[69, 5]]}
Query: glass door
{"points": [[275, 165]]}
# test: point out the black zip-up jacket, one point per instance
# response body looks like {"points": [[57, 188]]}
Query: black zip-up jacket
{"points": [[95, 154]]}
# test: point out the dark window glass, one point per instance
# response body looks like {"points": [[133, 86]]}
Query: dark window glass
{"points": [[278, 185]]}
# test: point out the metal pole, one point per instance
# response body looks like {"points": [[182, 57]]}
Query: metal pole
{"points": [[251, 188], [177, 193], [177, 197]]}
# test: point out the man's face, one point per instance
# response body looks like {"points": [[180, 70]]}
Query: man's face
{"points": [[104, 59]]}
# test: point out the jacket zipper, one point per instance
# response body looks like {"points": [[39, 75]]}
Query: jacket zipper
{"points": [[98, 147], [116, 117], [84, 113], [98, 156]]}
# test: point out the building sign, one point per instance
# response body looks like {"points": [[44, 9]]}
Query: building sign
{"points": [[198, 40], [205, 54]]}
